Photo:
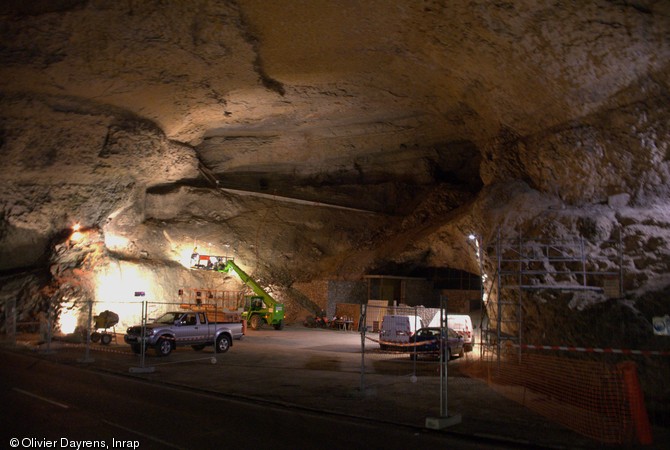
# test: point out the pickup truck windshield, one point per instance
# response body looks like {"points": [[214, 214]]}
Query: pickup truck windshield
{"points": [[169, 318]]}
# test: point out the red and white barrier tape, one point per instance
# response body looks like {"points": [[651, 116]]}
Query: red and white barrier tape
{"points": [[394, 343], [568, 348], [100, 348]]}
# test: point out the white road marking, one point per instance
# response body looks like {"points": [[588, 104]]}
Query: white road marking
{"points": [[44, 399], [144, 435]]}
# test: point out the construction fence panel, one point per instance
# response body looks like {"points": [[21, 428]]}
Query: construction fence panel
{"points": [[17, 325], [8, 322], [392, 358]]}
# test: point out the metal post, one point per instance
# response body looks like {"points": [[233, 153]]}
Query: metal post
{"points": [[482, 305], [50, 318], [87, 357], [143, 333], [443, 363], [12, 313], [444, 420], [413, 377], [583, 252], [143, 368], [620, 263], [414, 350], [363, 326], [525, 260], [520, 324], [499, 312]]}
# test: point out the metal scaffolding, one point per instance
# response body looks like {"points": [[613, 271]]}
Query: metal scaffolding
{"points": [[526, 264]]}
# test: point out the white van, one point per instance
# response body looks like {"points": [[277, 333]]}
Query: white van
{"points": [[397, 329], [460, 323]]}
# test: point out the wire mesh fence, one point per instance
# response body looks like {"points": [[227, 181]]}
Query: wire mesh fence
{"points": [[599, 400]]}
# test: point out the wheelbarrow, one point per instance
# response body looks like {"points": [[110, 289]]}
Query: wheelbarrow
{"points": [[102, 323]]}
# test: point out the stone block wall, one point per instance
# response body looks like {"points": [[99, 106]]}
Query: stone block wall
{"points": [[459, 301], [317, 292], [342, 291]]}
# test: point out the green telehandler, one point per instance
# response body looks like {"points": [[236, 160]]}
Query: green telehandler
{"points": [[261, 308]]}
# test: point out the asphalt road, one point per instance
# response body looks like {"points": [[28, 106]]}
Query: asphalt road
{"points": [[52, 405]]}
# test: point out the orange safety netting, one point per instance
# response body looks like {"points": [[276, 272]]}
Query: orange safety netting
{"points": [[598, 400]]}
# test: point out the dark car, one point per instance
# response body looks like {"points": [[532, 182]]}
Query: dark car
{"points": [[429, 342]]}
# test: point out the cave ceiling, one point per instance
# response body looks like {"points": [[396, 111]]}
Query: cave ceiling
{"points": [[321, 138]]}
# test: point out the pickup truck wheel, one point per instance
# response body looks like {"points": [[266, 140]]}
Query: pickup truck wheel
{"points": [[198, 347], [222, 344], [255, 322], [163, 347]]}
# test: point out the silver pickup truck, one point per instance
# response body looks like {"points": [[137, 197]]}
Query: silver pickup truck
{"points": [[179, 328]]}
